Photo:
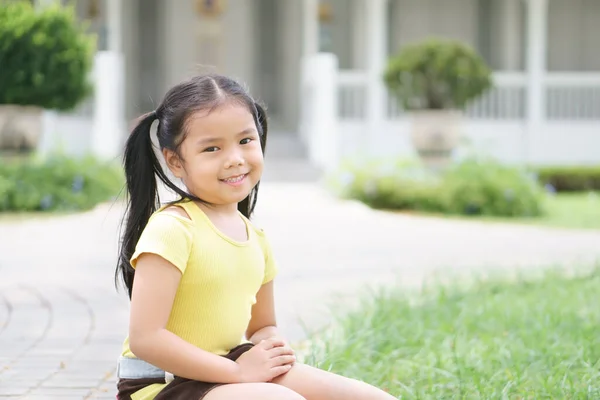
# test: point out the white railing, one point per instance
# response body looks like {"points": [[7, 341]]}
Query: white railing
{"points": [[336, 107], [352, 94], [507, 100], [569, 96], [573, 96], [504, 101]]}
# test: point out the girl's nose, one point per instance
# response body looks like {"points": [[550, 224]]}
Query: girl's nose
{"points": [[234, 160]]}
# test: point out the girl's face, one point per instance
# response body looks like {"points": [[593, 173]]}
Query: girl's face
{"points": [[221, 158]]}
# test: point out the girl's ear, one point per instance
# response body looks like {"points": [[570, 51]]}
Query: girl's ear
{"points": [[174, 163]]}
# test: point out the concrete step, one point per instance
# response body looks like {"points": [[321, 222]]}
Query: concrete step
{"points": [[290, 170], [286, 159], [281, 144]]}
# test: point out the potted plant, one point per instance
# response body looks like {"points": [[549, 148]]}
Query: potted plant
{"points": [[434, 81], [46, 59]]}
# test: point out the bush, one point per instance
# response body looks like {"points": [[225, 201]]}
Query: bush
{"points": [[475, 187], [57, 183], [570, 179], [46, 57], [401, 184], [471, 187], [437, 74]]}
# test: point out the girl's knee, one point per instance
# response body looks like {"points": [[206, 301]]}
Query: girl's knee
{"points": [[278, 392], [253, 391]]}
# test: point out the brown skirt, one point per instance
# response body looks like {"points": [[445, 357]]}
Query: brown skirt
{"points": [[179, 388]]}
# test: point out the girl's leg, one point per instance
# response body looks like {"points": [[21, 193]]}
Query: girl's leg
{"points": [[252, 391], [315, 384]]}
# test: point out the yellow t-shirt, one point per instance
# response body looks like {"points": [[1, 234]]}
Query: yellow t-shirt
{"points": [[219, 282]]}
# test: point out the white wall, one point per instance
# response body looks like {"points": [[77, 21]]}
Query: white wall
{"points": [[132, 41], [414, 20], [185, 48], [290, 51], [574, 30], [501, 23], [239, 38], [257, 42]]}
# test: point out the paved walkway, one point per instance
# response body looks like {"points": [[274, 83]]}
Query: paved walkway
{"points": [[62, 323]]}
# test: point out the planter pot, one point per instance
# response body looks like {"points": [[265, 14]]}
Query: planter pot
{"points": [[435, 134], [20, 128]]}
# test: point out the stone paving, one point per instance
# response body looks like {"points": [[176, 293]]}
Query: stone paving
{"points": [[62, 322]]}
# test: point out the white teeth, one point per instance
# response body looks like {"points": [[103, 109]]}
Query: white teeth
{"points": [[234, 180]]}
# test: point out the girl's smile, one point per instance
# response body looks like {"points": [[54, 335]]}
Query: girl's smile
{"points": [[236, 180]]}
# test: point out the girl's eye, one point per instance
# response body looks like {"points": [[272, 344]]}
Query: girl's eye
{"points": [[211, 149], [245, 141]]}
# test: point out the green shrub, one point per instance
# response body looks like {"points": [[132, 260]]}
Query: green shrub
{"points": [[437, 74], [57, 183], [570, 179], [475, 187], [471, 187], [400, 185], [6, 187], [45, 55]]}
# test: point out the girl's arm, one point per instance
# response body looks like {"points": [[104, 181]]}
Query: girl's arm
{"points": [[262, 323], [154, 289]]}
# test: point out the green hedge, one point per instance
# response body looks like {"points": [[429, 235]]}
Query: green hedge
{"points": [[471, 187], [570, 179], [45, 56], [57, 183]]}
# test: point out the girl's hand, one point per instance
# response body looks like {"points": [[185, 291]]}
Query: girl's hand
{"points": [[279, 339], [265, 361]]}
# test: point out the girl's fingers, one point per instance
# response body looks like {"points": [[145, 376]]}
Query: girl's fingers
{"points": [[269, 344], [283, 360], [282, 351]]}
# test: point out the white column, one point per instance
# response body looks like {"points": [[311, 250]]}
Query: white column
{"points": [[376, 56], [109, 115], [537, 33], [321, 123], [310, 16], [109, 123], [48, 137], [310, 48]]}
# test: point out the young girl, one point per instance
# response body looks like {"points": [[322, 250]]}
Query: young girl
{"points": [[203, 273]]}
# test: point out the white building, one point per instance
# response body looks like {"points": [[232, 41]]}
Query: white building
{"points": [[544, 109]]}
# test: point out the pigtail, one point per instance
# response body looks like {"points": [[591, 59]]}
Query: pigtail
{"points": [[262, 124], [140, 164], [246, 206]]}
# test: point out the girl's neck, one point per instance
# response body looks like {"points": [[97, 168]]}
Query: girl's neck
{"points": [[219, 210]]}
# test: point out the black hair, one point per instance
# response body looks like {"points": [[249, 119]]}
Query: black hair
{"points": [[142, 166]]}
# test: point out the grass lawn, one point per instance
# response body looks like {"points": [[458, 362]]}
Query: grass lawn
{"points": [[530, 339], [563, 210], [572, 210]]}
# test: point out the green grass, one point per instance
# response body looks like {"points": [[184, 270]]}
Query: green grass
{"points": [[536, 339], [579, 210], [564, 210], [572, 210]]}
